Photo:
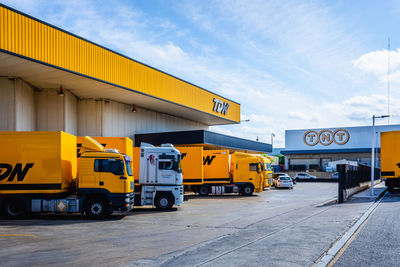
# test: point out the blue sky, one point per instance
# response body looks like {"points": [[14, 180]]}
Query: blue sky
{"points": [[291, 64]]}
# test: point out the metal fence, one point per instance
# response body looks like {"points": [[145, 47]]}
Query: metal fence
{"points": [[353, 176]]}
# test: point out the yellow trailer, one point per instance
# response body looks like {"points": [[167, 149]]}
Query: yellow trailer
{"points": [[38, 173], [192, 166], [390, 159]]}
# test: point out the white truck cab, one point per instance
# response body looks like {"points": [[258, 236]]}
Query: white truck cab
{"points": [[160, 176]]}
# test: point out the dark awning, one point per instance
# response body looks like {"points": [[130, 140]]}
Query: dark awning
{"points": [[207, 139]]}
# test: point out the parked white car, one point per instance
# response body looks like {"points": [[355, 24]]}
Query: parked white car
{"points": [[284, 181], [304, 175]]}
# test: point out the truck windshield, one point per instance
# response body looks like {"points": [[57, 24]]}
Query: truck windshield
{"points": [[128, 162], [268, 166], [178, 164]]}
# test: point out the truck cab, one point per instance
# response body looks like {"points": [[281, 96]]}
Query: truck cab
{"points": [[246, 172], [160, 176], [106, 178], [266, 170]]}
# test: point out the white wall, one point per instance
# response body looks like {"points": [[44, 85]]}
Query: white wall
{"points": [[24, 109], [120, 120], [90, 114], [7, 107], [71, 113], [56, 113], [17, 105]]}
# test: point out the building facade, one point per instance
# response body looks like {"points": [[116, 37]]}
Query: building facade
{"points": [[54, 80], [312, 149]]}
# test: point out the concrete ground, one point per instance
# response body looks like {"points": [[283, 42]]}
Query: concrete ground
{"points": [[378, 242], [276, 228]]}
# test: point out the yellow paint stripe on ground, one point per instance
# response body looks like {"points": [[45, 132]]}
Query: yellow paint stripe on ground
{"points": [[17, 235]]}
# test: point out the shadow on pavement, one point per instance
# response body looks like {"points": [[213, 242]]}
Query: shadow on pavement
{"points": [[61, 219], [230, 196]]}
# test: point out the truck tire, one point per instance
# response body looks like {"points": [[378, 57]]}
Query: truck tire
{"points": [[15, 208], [164, 201], [247, 189], [96, 209], [391, 189], [204, 190]]}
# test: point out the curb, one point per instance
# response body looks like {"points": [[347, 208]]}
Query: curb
{"points": [[381, 194], [341, 242]]}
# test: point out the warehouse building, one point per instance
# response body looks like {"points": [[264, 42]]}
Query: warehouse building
{"points": [[53, 80], [313, 149]]}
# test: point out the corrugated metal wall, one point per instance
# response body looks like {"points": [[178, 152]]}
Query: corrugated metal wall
{"points": [[56, 113], [24, 106], [23, 109], [30, 38], [90, 117], [120, 120], [49, 110], [7, 105], [17, 105], [71, 113]]}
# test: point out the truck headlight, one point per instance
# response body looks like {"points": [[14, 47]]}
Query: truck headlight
{"points": [[127, 200]]}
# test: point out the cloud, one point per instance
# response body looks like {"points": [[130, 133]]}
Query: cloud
{"points": [[376, 62], [290, 64]]}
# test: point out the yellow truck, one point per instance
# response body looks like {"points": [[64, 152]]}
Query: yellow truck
{"points": [[390, 159], [39, 172], [224, 173], [157, 172]]}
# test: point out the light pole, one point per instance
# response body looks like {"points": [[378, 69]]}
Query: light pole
{"points": [[373, 150], [272, 140]]}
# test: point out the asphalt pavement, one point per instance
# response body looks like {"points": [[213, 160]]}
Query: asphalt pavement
{"points": [[279, 227], [378, 242]]}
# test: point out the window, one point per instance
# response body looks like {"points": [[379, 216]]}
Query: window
{"points": [[253, 167], [166, 165], [114, 166]]}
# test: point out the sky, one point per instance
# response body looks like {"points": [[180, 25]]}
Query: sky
{"points": [[290, 64]]}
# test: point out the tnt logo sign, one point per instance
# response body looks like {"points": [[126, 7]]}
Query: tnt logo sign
{"points": [[7, 170], [326, 137], [220, 107]]}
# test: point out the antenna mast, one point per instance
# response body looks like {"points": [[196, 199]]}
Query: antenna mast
{"points": [[388, 80]]}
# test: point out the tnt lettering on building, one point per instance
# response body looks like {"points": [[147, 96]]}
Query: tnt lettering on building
{"points": [[326, 137], [220, 107]]}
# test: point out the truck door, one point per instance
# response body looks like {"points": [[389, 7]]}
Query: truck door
{"points": [[110, 174]]}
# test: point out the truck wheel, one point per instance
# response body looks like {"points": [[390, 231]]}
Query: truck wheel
{"points": [[96, 209], [391, 189], [15, 208], [164, 202], [204, 190], [247, 190]]}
